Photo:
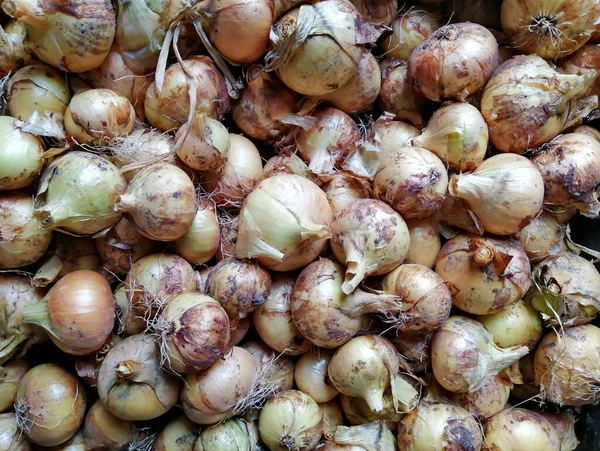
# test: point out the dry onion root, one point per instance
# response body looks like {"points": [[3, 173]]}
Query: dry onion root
{"points": [[11, 437]]}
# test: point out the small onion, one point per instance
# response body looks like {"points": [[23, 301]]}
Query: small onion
{"points": [[50, 405], [11, 374], [413, 181], [160, 201], [332, 417], [409, 29], [131, 383], [425, 242], [21, 155], [486, 401], [179, 434], [206, 143], [464, 356], [14, 53], [311, 376], [101, 429], [343, 188], [236, 434], [290, 420], [453, 62], [542, 237], [11, 438], [357, 411], [201, 241], [505, 192], [78, 192]]}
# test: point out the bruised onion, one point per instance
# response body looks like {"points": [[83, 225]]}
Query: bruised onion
{"points": [[11, 374], [179, 434], [425, 242], [311, 375], [101, 429], [201, 241], [542, 237], [205, 145], [409, 29], [516, 325], [486, 401], [21, 155]]}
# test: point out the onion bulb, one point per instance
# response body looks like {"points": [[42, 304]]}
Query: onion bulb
{"points": [[505, 192], [415, 347], [311, 376], [11, 374], [332, 417], [564, 423], [374, 436], [129, 321], [376, 12], [160, 201], [409, 29], [542, 237], [370, 238], [14, 53], [357, 411], [101, 429], [425, 242], [131, 383], [21, 155], [587, 57], [413, 181], [11, 437], [179, 434], [455, 213], [457, 134], [22, 240], [343, 188], [73, 39], [273, 319], [520, 429], [284, 223], [365, 367], [201, 241], [549, 102], [324, 314], [87, 366], [275, 372], [290, 420], [464, 356], [236, 433], [78, 192], [486, 401], [469, 49], [205, 145], [566, 290], [78, 312], [50, 405]]}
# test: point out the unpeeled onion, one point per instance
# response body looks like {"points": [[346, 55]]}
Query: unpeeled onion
{"points": [[542, 237], [564, 423], [332, 417], [516, 325], [486, 401], [425, 242], [409, 29], [21, 155], [102, 429], [375, 436], [311, 375], [129, 321], [179, 434], [275, 372], [201, 241], [206, 143]]}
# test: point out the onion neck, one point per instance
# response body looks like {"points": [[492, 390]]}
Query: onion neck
{"points": [[355, 273], [125, 203], [360, 302], [48, 272], [134, 371], [37, 314], [491, 363], [374, 399]]}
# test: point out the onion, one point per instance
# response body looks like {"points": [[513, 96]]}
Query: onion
{"points": [[483, 12], [11, 437], [587, 57], [87, 366], [528, 389], [456, 213], [236, 434], [375, 436], [78, 312], [211, 395], [413, 181], [50, 405], [516, 325], [205, 145], [332, 417], [14, 53], [131, 383], [326, 145], [21, 155], [470, 50], [488, 400], [78, 192], [415, 347], [102, 429], [290, 420], [426, 298], [324, 314], [170, 107], [549, 102], [239, 286], [238, 177], [179, 434], [566, 290], [357, 411], [425, 242], [316, 48], [284, 223], [376, 12], [236, 335], [464, 357], [343, 188], [311, 376], [160, 201], [520, 429], [409, 29], [358, 93], [273, 319], [194, 331], [564, 423], [365, 367], [201, 241], [22, 240], [457, 134], [275, 372], [542, 237], [75, 443], [16, 337], [570, 168], [11, 374], [505, 192], [73, 39]]}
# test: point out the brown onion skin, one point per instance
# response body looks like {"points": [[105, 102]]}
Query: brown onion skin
{"points": [[471, 52], [587, 57]]}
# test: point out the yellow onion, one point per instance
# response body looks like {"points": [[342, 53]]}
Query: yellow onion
{"points": [[131, 383], [374, 436], [464, 356], [566, 289], [14, 53], [570, 168], [486, 401], [426, 298], [179, 434], [425, 242], [194, 330], [505, 192], [201, 241], [517, 324], [311, 376], [273, 319], [22, 240], [169, 107], [239, 333], [455, 213], [11, 437], [75, 38], [370, 238], [160, 201], [469, 49], [519, 429], [332, 417], [206, 143], [415, 348], [409, 29], [457, 134], [290, 420], [413, 181], [211, 395], [483, 12], [275, 372], [542, 237], [489, 273], [129, 321], [50, 405], [11, 374], [357, 411], [101, 429], [549, 102], [236, 433], [78, 192], [327, 316], [75, 443], [316, 48], [552, 29], [87, 366], [16, 337], [564, 423], [284, 223], [21, 155], [343, 188], [229, 186], [376, 12], [587, 57]]}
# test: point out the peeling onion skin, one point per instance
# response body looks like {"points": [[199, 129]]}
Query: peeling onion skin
{"points": [[454, 62], [542, 237], [586, 57], [409, 29], [15, 53], [489, 273], [425, 242], [357, 411], [488, 400], [343, 188]]}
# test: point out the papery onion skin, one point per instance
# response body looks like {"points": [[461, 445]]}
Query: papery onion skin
{"points": [[425, 242], [587, 57], [179, 434], [15, 53], [542, 237], [11, 374], [376, 12], [274, 370], [409, 29], [205, 143], [343, 188], [201, 241], [488, 400], [453, 62], [310, 375], [332, 417], [357, 411]]}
